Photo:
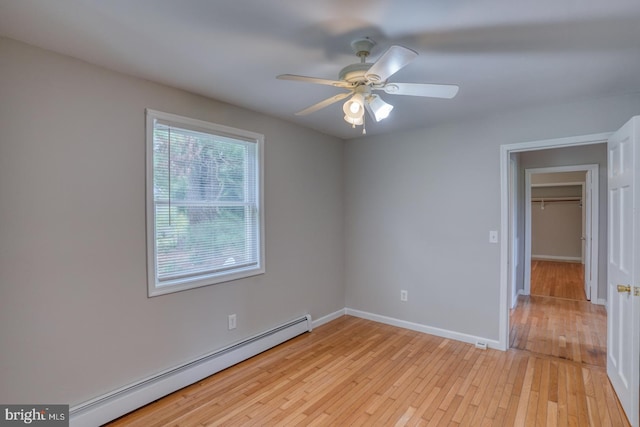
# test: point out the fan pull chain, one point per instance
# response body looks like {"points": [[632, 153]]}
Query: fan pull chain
{"points": [[364, 125]]}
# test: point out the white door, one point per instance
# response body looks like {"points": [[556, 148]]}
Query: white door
{"points": [[624, 267]]}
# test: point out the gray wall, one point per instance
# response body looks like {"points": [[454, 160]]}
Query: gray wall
{"points": [[75, 320], [556, 230], [420, 204], [557, 225]]}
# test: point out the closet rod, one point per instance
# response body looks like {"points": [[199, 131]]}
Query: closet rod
{"points": [[556, 199]]}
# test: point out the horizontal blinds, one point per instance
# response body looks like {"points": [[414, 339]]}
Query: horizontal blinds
{"points": [[205, 200]]}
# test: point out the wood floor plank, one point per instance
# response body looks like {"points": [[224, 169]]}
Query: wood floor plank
{"points": [[523, 404], [543, 394], [552, 414]]}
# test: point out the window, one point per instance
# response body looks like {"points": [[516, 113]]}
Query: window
{"points": [[204, 203]]}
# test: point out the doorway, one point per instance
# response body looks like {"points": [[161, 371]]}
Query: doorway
{"points": [[563, 203], [547, 321], [512, 228]]}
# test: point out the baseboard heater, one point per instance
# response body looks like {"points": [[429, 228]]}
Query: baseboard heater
{"points": [[126, 399]]}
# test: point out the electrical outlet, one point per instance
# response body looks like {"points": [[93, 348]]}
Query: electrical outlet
{"points": [[493, 236], [404, 295], [232, 321]]}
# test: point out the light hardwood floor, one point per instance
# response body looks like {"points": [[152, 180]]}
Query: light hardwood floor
{"points": [[564, 328], [353, 371], [556, 319], [558, 279]]}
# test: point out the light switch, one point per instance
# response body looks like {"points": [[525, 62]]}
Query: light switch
{"points": [[493, 236]]}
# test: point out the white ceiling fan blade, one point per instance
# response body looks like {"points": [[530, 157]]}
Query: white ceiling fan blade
{"points": [[395, 58], [421, 89], [336, 83], [320, 105]]}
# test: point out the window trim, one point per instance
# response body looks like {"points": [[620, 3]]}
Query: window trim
{"points": [[155, 287]]}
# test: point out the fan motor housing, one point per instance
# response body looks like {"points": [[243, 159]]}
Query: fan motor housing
{"points": [[354, 73]]}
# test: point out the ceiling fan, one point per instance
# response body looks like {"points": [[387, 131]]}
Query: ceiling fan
{"points": [[363, 78]]}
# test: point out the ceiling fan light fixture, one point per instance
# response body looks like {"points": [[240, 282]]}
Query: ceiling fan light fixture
{"points": [[354, 121], [360, 79], [354, 108], [378, 107]]}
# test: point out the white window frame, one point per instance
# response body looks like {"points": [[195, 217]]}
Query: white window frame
{"points": [[154, 286]]}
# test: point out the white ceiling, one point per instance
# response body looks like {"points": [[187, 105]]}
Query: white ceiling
{"points": [[503, 54]]}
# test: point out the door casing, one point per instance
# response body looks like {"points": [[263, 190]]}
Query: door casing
{"points": [[506, 246]]}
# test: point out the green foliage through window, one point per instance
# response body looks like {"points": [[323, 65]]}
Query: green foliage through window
{"points": [[205, 202]]}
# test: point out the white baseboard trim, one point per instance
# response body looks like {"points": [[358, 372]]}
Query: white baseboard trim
{"points": [[556, 258], [328, 318], [423, 328], [119, 402], [602, 301]]}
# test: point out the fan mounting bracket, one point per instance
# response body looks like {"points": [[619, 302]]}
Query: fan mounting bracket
{"points": [[362, 47]]}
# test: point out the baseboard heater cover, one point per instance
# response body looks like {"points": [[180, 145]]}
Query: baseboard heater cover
{"points": [[126, 399]]}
